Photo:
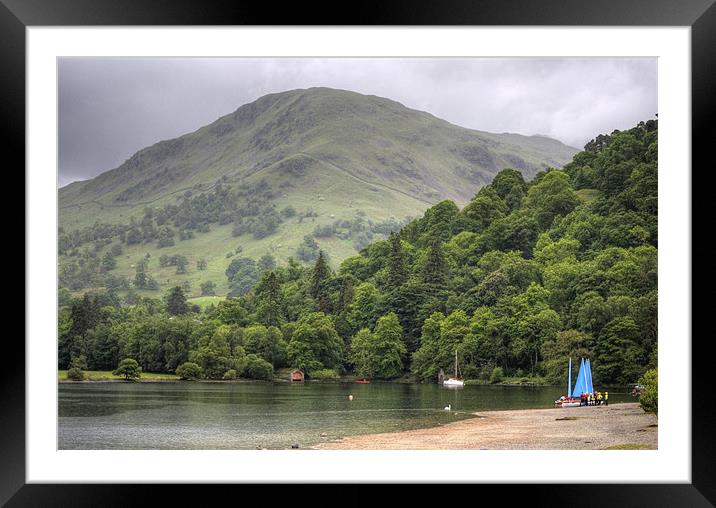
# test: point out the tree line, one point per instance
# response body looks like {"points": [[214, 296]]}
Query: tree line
{"points": [[526, 275]]}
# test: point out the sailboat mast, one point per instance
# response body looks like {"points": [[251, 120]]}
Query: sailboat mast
{"points": [[456, 364], [569, 379]]}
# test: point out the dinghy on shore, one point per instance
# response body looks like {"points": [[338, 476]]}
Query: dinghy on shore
{"points": [[572, 398]]}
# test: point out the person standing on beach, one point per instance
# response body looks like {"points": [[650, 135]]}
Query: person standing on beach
{"points": [[606, 398], [599, 398]]}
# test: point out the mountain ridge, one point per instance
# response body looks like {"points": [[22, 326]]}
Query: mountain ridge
{"points": [[250, 115], [336, 167]]}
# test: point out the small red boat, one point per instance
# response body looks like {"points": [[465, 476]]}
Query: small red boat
{"points": [[362, 381]]}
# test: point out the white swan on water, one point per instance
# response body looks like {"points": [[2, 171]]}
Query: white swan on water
{"points": [[448, 407]]}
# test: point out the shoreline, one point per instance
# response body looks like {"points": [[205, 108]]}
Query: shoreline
{"points": [[251, 381], [618, 426], [277, 380]]}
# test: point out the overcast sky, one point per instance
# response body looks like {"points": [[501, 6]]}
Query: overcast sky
{"points": [[110, 108]]}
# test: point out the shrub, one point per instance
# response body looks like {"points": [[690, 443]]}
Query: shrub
{"points": [[230, 374], [208, 288], [75, 374], [129, 368], [258, 368], [648, 399], [471, 372], [497, 375], [485, 374], [189, 370], [324, 374]]}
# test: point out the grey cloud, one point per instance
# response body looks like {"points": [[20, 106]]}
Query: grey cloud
{"points": [[110, 108]]}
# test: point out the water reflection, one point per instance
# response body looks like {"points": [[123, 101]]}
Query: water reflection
{"points": [[175, 415]]}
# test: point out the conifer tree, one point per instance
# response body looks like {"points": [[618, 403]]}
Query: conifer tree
{"points": [[435, 269], [270, 312], [176, 302], [397, 272], [319, 280]]}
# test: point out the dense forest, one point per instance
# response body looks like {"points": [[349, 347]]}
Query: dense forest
{"points": [[526, 275]]}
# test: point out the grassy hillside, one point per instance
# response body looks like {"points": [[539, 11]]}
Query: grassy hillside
{"points": [[333, 153]]}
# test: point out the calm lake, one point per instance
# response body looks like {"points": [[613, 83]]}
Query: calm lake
{"points": [[176, 415]]}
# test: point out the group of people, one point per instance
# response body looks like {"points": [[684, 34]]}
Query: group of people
{"points": [[594, 399]]}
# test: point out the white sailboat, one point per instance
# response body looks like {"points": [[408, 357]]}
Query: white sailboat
{"points": [[454, 381]]}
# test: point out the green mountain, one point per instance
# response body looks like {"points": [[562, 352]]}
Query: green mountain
{"points": [[262, 178]]}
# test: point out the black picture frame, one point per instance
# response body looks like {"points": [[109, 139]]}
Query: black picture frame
{"points": [[700, 15]]}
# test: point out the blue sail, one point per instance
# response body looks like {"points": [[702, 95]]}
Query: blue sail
{"points": [[580, 386], [590, 385]]}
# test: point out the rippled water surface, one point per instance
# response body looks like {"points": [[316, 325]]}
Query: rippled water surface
{"points": [[176, 415]]}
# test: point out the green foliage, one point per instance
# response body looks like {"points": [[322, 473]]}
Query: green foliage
{"points": [[232, 311], [483, 210], [497, 375], [79, 362], [189, 371], [242, 273], [562, 346], [363, 309], [217, 353], [213, 363], [508, 182], [258, 368], [435, 267], [315, 344], [424, 365], [108, 262], [324, 375], [396, 265], [175, 301], [649, 396], [361, 352], [525, 276], [618, 356], [319, 282], [551, 196], [230, 375], [208, 288], [129, 369], [266, 262], [267, 343], [308, 250], [75, 374], [379, 354], [270, 301]]}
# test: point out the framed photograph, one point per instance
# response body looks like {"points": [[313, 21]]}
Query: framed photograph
{"points": [[444, 245]]}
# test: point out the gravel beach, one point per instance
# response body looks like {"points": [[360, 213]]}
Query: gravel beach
{"points": [[578, 428]]}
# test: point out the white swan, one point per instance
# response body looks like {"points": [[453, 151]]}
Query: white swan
{"points": [[448, 407]]}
